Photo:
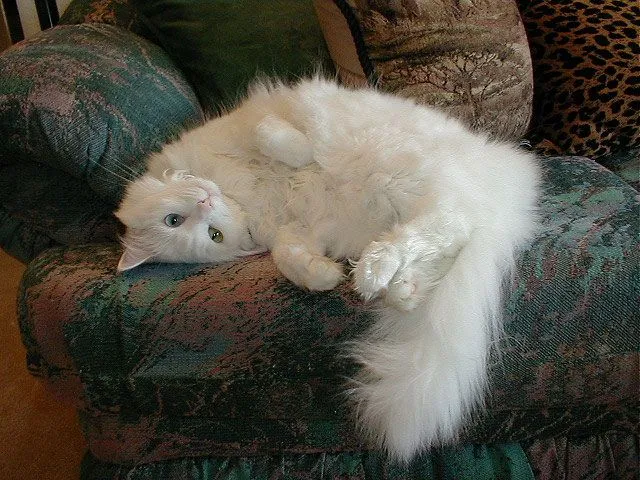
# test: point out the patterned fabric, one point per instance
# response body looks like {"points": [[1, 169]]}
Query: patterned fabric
{"points": [[77, 103], [605, 456], [119, 13], [586, 65], [470, 58], [624, 164], [168, 361], [496, 462], [596, 457]]}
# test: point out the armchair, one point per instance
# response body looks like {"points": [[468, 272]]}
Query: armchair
{"points": [[229, 371]]}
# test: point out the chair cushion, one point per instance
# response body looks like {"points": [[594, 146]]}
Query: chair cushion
{"points": [[232, 359], [119, 13]]}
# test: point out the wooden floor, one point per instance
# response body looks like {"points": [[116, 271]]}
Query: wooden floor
{"points": [[40, 439]]}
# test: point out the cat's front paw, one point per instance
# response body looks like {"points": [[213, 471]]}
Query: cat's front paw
{"points": [[377, 266], [323, 274], [313, 272]]}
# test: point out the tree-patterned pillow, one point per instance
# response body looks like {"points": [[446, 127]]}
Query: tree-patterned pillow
{"points": [[469, 57]]}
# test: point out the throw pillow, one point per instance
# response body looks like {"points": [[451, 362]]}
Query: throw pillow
{"points": [[222, 45], [586, 66], [80, 108], [469, 58]]}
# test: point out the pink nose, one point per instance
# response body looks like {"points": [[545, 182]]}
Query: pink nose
{"points": [[207, 203]]}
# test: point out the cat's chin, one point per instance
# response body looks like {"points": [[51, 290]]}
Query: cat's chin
{"points": [[254, 251]]}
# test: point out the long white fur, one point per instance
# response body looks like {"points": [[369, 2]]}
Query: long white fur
{"points": [[430, 214]]}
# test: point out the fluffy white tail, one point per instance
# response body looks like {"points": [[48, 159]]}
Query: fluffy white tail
{"points": [[424, 371]]}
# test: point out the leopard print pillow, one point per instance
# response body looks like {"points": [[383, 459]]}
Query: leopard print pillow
{"points": [[586, 65]]}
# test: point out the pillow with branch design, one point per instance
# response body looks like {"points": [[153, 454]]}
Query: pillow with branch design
{"points": [[469, 57]]}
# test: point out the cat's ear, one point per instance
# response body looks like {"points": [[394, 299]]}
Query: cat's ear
{"points": [[131, 258]]}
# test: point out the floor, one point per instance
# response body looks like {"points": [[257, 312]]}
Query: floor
{"points": [[39, 437]]}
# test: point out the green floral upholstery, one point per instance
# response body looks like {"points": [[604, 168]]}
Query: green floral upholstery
{"points": [[553, 458], [625, 164]]}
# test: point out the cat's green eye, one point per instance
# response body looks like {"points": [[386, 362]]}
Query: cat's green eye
{"points": [[215, 234], [173, 220]]}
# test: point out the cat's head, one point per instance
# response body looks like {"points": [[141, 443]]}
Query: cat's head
{"points": [[180, 218]]}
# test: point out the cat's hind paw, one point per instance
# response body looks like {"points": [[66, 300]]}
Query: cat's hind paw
{"points": [[407, 289], [383, 271], [377, 266], [282, 142]]}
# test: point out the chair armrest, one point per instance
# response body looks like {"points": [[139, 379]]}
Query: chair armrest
{"points": [[80, 108]]}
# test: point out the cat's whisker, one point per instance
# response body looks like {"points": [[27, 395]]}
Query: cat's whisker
{"points": [[127, 180], [226, 154], [110, 182], [128, 169]]}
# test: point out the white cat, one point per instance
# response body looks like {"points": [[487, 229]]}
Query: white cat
{"points": [[429, 213]]}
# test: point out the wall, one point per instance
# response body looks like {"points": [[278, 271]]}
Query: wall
{"points": [[29, 15]]}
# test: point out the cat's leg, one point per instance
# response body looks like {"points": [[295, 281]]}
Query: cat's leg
{"points": [[409, 261], [301, 259], [282, 142]]}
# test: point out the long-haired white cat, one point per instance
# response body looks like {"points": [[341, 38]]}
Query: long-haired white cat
{"points": [[429, 213]]}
